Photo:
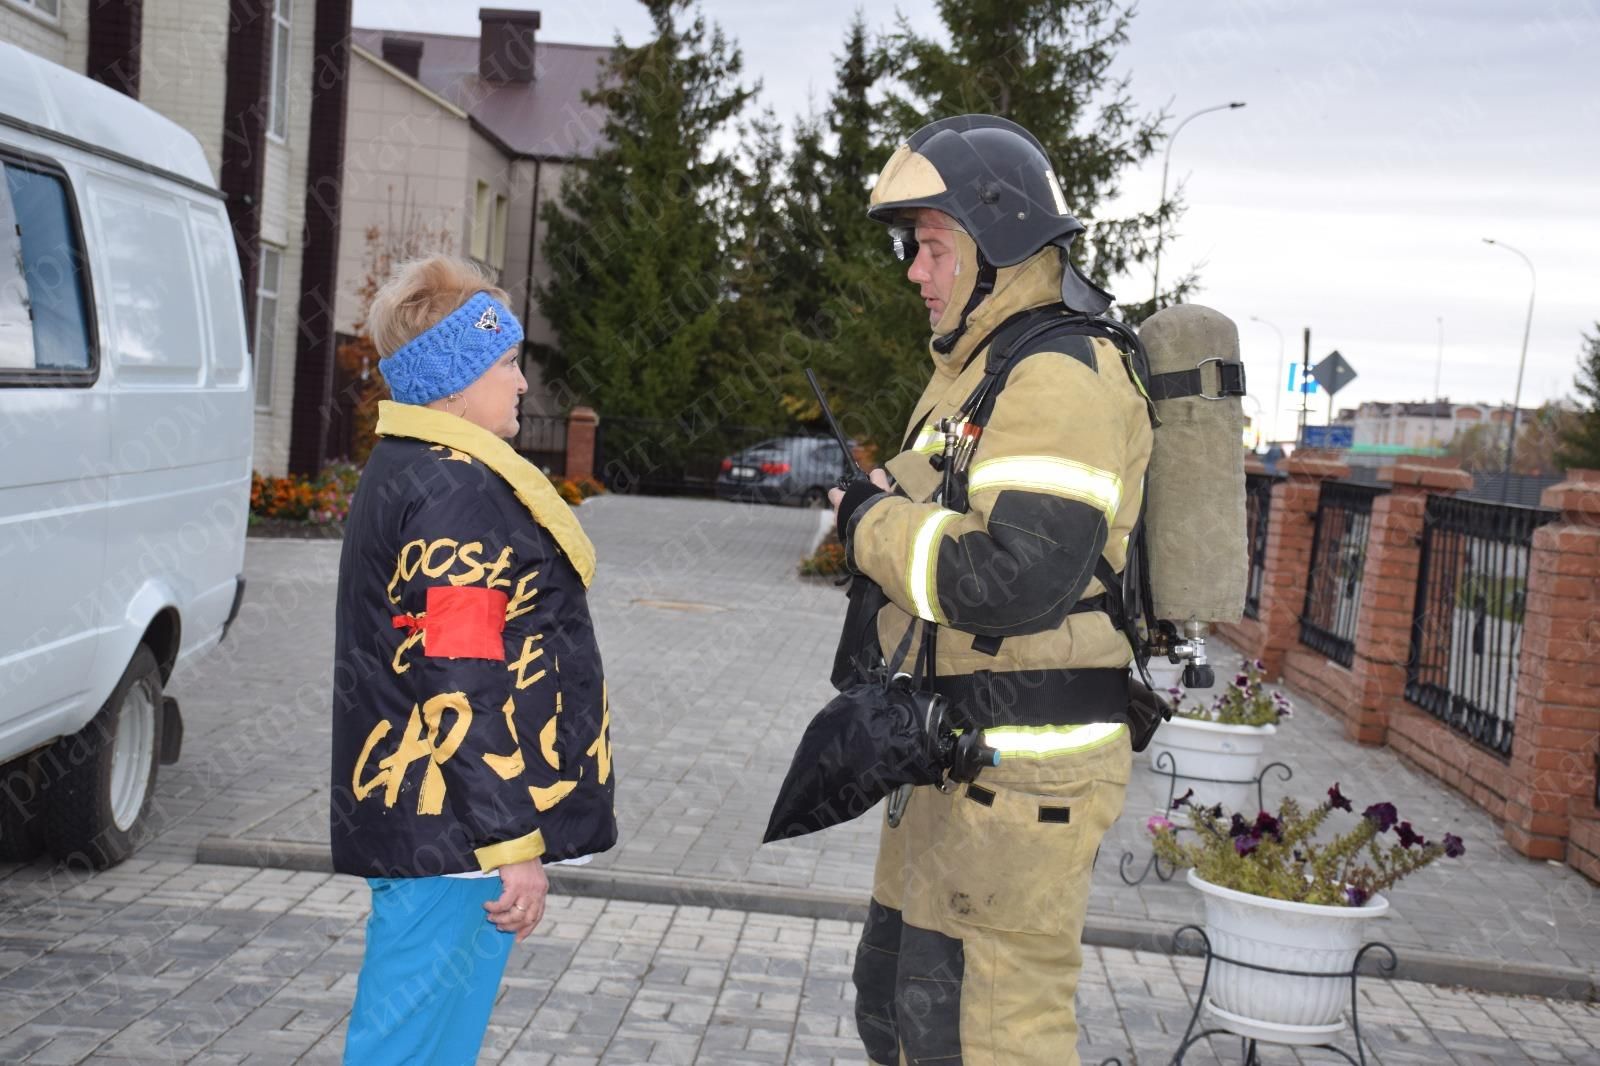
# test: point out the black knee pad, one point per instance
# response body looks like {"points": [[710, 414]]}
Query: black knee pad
{"points": [[928, 996], [877, 963]]}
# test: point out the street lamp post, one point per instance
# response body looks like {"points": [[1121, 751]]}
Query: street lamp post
{"points": [[1277, 403], [1166, 162], [1516, 397]]}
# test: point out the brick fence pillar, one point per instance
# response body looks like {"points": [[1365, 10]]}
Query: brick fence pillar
{"points": [[1389, 591], [1248, 634], [1550, 798], [1283, 587], [582, 426]]}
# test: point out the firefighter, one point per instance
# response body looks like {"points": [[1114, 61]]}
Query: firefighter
{"points": [[462, 629], [971, 951]]}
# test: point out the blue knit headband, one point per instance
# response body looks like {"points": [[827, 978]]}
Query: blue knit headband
{"points": [[453, 353]]}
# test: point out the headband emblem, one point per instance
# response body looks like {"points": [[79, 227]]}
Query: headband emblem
{"points": [[489, 321]]}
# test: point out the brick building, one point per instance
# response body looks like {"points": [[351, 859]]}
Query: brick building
{"points": [[261, 84]]}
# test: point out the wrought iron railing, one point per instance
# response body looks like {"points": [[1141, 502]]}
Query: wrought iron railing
{"points": [[1257, 518], [1466, 634], [542, 440], [1338, 558]]}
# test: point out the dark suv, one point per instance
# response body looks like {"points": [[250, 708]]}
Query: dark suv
{"points": [[783, 470]]}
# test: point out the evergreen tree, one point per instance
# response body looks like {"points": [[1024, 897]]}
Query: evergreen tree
{"points": [[639, 271], [1046, 65], [858, 321], [1580, 444]]}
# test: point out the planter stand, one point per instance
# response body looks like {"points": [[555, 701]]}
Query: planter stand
{"points": [[1251, 1032], [1167, 767]]}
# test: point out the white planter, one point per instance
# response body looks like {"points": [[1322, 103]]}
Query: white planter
{"points": [[1203, 753], [1288, 936]]}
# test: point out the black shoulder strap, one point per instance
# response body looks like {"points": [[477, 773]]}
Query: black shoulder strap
{"points": [[1128, 595]]}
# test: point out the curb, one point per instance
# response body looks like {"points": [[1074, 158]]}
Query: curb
{"points": [[1100, 930]]}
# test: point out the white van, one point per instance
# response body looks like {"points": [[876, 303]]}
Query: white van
{"points": [[125, 433]]}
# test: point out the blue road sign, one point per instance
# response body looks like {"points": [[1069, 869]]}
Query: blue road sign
{"points": [[1307, 386], [1328, 437]]}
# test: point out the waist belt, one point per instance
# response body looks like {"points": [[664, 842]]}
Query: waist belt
{"points": [[988, 698]]}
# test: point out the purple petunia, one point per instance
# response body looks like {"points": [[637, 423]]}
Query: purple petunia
{"points": [[1267, 826], [1183, 800], [1241, 680], [1260, 665], [1216, 811], [1453, 846], [1157, 824], [1336, 799], [1383, 815], [1246, 843], [1355, 896], [1409, 836], [1238, 827]]}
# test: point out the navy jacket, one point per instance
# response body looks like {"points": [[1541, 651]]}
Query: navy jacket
{"points": [[470, 721]]}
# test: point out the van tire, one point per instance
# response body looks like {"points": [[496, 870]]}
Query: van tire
{"points": [[21, 823], [94, 806]]}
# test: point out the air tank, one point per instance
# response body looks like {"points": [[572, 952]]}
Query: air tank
{"points": [[1195, 518]]}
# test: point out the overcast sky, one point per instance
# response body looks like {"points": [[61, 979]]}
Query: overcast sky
{"points": [[1381, 142]]}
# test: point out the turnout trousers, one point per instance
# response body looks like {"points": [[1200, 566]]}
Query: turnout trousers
{"points": [[972, 947]]}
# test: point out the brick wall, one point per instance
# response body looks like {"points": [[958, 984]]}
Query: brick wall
{"points": [[1550, 799], [62, 39], [183, 68]]}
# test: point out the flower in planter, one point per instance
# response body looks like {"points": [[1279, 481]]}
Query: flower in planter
{"points": [[1279, 855], [1246, 701]]}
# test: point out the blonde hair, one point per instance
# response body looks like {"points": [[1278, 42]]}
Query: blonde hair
{"points": [[419, 295]]}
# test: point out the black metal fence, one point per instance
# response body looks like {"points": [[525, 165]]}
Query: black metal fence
{"points": [[751, 463], [1338, 557], [1466, 635], [1257, 517], [542, 440]]}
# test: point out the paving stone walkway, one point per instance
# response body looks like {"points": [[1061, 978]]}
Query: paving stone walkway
{"points": [[159, 963], [717, 656]]}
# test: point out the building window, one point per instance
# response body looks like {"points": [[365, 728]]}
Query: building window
{"points": [[278, 114], [481, 204], [50, 9], [266, 323], [497, 243]]}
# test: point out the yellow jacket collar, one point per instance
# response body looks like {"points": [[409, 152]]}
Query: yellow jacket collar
{"points": [[1034, 282], [531, 486]]}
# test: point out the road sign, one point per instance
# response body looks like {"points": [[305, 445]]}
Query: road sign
{"points": [[1334, 373], [1307, 386], [1328, 437]]}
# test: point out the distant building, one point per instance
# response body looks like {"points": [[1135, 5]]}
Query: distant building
{"points": [[468, 138], [261, 84], [1423, 425]]}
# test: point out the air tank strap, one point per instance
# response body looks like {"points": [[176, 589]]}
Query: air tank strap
{"points": [[1180, 383]]}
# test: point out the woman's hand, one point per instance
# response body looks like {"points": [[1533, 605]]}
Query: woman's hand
{"points": [[521, 903]]}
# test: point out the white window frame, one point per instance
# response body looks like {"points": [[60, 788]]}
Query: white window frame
{"points": [[266, 363], [31, 7], [282, 31], [497, 239]]}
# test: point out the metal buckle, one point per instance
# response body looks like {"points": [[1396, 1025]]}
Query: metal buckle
{"points": [[1223, 365]]}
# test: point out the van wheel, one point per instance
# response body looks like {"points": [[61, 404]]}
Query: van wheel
{"points": [[21, 824], [107, 772]]}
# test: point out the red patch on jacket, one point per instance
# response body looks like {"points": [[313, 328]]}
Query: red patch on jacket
{"points": [[465, 623]]}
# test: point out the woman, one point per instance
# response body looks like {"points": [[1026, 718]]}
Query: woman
{"points": [[471, 733]]}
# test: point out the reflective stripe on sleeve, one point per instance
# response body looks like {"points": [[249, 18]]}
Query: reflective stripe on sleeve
{"points": [[924, 553], [929, 441], [1037, 742], [1052, 474]]}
